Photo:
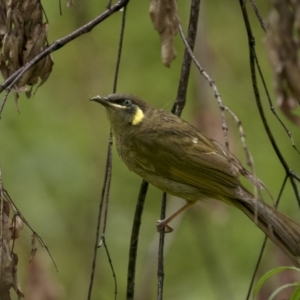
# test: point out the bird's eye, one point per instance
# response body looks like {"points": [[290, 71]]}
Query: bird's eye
{"points": [[127, 102]]}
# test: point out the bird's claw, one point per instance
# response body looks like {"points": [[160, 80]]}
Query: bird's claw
{"points": [[160, 225]]}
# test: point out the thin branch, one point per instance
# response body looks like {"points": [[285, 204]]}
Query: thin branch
{"points": [[120, 49], [111, 266], [253, 65], [106, 186], [160, 259], [250, 161], [289, 174], [104, 198], [212, 84], [187, 59], [177, 110], [17, 212], [272, 108], [9, 82], [134, 240], [110, 144], [259, 17], [103, 193]]}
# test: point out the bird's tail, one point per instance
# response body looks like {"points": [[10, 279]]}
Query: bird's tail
{"points": [[283, 231]]}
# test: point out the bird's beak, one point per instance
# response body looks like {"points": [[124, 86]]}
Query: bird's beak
{"points": [[102, 100]]}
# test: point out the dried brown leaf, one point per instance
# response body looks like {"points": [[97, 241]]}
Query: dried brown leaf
{"points": [[282, 50], [33, 247], [2, 22], [46, 71], [287, 105], [35, 43], [70, 3], [23, 36], [27, 7], [4, 70], [165, 19], [17, 31], [6, 260], [17, 285], [17, 226], [33, 47], [44, 74]]}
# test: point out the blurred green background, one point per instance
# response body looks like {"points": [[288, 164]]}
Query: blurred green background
{"points": [[53, 156]]}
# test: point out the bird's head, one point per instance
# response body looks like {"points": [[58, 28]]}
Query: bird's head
{"points": [[124, 110]]}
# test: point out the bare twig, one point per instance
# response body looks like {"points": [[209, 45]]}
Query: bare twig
{"points": [[289, 174], [9, 82], [177, 110], [103, 193], [111, 266], [160, 260], [253, 65], [134, 239], [187, 59], [272, 106], [106, 187], [260, 18], [147, 273], [250, 161], [212, 84], [104, 198], [110, 145], [17, 212]]}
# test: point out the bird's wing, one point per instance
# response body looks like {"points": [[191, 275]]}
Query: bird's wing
{"points": [[180, 153], [244, 172]]}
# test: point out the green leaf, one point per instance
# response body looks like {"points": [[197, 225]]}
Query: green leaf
{"points": [[265, 277], [296, 293], [278, 290]]}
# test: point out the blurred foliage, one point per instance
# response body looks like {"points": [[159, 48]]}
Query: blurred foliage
{"points": [[269, 274], [53, 155]]}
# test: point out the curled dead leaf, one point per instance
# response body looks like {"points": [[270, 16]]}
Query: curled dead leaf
{"points": [[23, 35], [287, 105], [8, 266], [16, 226], [33, 247], [282, 50], [164, 16], [70, 3]]}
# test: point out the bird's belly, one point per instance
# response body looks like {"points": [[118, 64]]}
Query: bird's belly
{"points": [[187, 192]]}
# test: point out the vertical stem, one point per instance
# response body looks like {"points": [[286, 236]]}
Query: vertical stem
{"points": [[177, 110]]}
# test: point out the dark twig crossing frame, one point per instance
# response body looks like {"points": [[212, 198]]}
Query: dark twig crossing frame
{"points": [[9, 82], [104, 198], [254, 66]]}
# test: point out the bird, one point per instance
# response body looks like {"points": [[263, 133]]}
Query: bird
{"points": [[178, 159]]}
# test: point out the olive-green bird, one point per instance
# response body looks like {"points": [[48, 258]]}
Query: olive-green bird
{"points": [[175, 157]]}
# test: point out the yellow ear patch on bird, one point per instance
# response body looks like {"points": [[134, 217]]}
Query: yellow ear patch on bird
{"points": [[138, 117]]}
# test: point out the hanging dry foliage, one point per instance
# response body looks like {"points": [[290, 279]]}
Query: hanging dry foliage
{"points": [[10, 229], [165, 19], [282, 43], [70, 3], [23, 35]]}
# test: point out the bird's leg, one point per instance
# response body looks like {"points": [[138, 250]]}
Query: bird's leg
{"points": [[165, 223]]}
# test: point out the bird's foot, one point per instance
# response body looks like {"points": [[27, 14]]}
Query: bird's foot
{"points": [[161, 224]]}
